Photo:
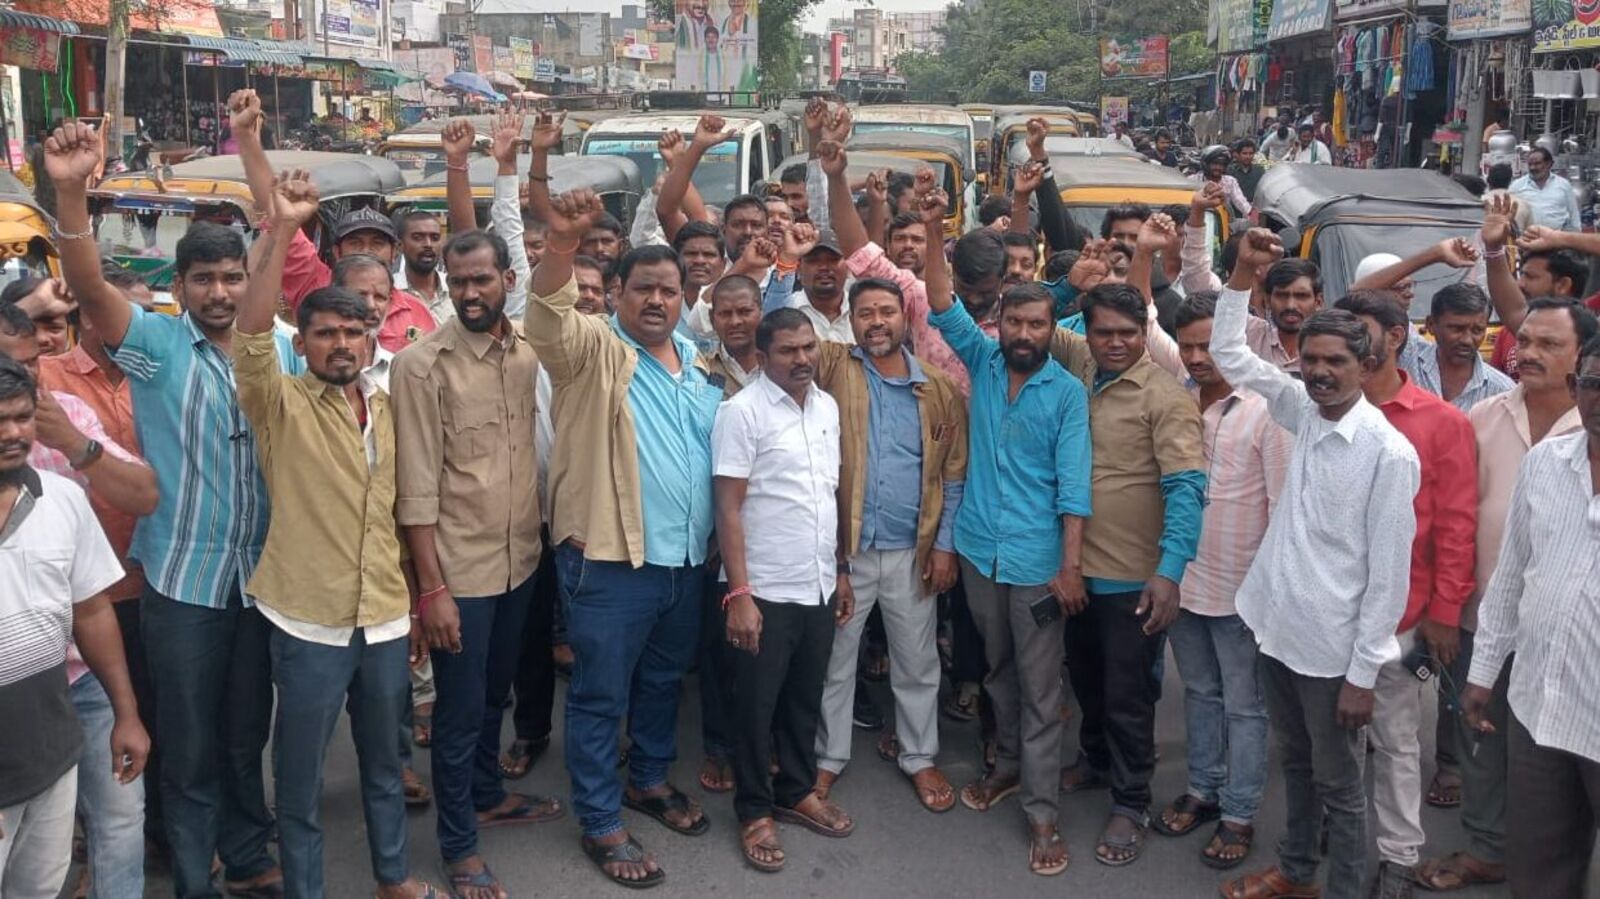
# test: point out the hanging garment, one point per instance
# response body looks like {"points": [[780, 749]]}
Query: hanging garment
{"points": [[1337, 124], [1420, 77]]}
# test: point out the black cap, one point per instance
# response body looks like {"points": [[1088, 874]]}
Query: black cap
{"points": [[364, 220], [826, 239]]}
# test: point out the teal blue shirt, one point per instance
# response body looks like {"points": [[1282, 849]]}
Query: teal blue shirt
{"points": [[672, 418], [205, 537], [1029, 463]]}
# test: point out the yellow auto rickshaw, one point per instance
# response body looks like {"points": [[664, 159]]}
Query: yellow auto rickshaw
{"points": [[27, 234]]}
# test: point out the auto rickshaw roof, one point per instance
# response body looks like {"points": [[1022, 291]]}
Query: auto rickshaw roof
{"points": [[601, 174], [1302, 195], [334, 174], [1115, 171], [907, 141]]}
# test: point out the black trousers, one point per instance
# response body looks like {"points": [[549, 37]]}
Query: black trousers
{"points": [[1552, 806], [777, 699], [716, 679], [139, 675], [535, 683], [1110, 658]]}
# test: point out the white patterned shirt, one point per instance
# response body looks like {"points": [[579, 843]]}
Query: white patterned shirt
{"points": [[1329, 583], [1543, 602]]}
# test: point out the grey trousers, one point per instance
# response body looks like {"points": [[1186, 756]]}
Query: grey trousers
{"points": [[889, 580], [1024, 685], [1554, 801], [1482, 761], [1396, 738]]}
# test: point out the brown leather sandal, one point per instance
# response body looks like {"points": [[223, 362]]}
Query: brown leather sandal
{"points": [[1268, 884], [762, 833]]}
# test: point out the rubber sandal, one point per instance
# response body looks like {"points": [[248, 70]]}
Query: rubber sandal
{"points": [[960, 706], [994, 799], [1133, 844], [429, 891], [523, 753], [1228, 837], [1052, 870], [1442, 794], [628, 850], [1453, 872], [483, 880], [889, 747], [1199, 813], [422, 730], [1268, 884], [766, 834], [527, 812], [1092, 780], [657, 807], [720, 785], [920, 782], [815, 825], [417, 793]]}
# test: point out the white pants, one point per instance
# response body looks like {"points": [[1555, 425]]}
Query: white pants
{"points": [[1395, 733], [36, 841], [890, 580]]}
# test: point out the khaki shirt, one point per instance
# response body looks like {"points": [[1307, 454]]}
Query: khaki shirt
{"points": [[717, 364], [464, 410], [1138, 439], [595, 493], [944, 443], [332, 555]]}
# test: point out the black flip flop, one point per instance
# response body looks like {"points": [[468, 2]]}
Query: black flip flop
{"points": [[626, 851], [1134, 843], [483, 880], [1200, 813], [1229, 837], [657, 807], [524, 813]]}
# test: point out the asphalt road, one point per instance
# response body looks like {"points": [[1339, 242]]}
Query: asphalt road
{"points": [[897, 848]]}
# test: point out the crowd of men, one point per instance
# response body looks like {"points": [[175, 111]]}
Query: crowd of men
{"points": [[766, 442]]}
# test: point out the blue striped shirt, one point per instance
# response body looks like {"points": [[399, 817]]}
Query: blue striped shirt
{"points": [[206, 535]]}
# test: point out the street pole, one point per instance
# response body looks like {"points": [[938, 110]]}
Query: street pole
{"points": [[116, 74]]}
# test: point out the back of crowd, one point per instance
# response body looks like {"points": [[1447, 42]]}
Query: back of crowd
{"points": [[796, 444]]}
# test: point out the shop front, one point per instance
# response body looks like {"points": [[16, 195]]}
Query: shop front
{"points": [[1490, 53]]}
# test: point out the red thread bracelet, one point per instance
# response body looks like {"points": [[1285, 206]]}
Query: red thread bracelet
{"points": [[735, 594]]}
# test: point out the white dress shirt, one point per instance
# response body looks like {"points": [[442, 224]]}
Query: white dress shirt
{"points": [[1553, 205], [790, 457], [1543, 602], [1329, 583]]}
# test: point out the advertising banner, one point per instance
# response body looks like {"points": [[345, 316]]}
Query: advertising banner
{"points": [[461, 48], [522, 55], [1242, 24], [1565, 25], [1292, 18], [1473, 19], [589, 34], [30, 48], [1112, 111], [352, 21], [1139, 57], [716, 45], [432, 63], [1358, 9], [482, 54], [505, 61]]}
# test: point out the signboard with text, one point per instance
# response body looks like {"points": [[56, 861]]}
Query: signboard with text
{"points": [[522, 54], [352, 21], [1140, 57], [1473, 19], [1566, 26], [1242, 24], [1357, 9], [30, 48], [1292, 18]]}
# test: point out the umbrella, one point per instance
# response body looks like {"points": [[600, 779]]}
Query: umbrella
{"points": [[472, 83], [502, 79], [529, 95]]}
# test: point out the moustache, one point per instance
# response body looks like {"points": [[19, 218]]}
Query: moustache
{"points": [[15, 446]]}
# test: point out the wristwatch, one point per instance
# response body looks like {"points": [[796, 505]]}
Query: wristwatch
{"points": [[845, 569], [90, 455]]}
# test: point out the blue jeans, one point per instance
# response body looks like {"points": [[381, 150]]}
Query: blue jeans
{"points": [[315, 683], [1224, 711], [113, 813], [633, 633], [213, 686], [474, 687]]}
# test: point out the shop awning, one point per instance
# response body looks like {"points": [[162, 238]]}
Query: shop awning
{"points": [[12, 19], [375, 65], [239, 50]]}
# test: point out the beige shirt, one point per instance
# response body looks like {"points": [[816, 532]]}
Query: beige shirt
{"points": [[332, 556], [464, 410], [1501, 424]]}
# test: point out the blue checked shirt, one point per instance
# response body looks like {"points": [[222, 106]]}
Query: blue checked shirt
{"points": [[206, 535]]}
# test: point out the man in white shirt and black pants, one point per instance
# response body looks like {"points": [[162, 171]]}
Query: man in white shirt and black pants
{"points": [[775, 456], [1541, 604], [1328, 585]]}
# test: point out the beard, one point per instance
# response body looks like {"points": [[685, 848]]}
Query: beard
{"points": [[1023, 357]]}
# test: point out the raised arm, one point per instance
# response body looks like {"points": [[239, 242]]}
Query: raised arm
{"points": [[294, 202], [1153, 235], [670, 145], [245, 118], [539, 168], [1195, 273], [458, 137], [70, 156], [847, 224], [877, 194], [1456, 252], [1504, 291], [935, 270], [710, 131], [1060, 231], [1233, 358], [116, 477], [1024, 181]]}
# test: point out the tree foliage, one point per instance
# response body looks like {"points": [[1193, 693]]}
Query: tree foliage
{"points": [[991, 45]]}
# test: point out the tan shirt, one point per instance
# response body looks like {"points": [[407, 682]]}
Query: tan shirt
{"points": [[332, 555], [944, 443], [1501, 425], [595, 493], [464, 410]]}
